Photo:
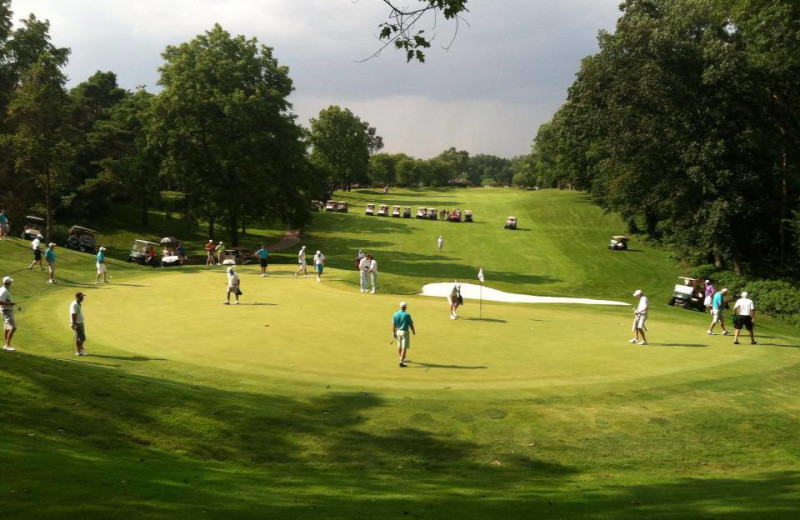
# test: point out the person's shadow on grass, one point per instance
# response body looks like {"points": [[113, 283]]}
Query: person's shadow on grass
{"points": [[491, 320], [453, 367], [126, 358]]}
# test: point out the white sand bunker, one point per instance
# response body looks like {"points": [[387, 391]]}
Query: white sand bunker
{"points": [[473, 292]]}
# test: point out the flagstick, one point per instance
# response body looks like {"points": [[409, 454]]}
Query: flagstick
{"points": [[481, 302]]}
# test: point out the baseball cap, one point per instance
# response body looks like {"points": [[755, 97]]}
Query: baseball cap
{"points": [[51, 244], [403, 304], [708, 282], [79, 294], [102, 248], [318, 251], [744, 294], [7, 279], [211, 241], [39, 236], [637, 292]]}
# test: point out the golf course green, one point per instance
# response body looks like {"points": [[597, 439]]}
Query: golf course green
{"points": [[292, 405]]}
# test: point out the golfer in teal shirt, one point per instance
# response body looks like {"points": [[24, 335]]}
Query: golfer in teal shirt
{"points": [[262, 255], [50, 256], [401, 324]]}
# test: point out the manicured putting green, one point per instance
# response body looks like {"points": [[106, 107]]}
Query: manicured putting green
{"points": [[330, 333]]}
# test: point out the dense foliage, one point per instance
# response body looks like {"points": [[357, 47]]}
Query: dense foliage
{"points": [[684, 123]]}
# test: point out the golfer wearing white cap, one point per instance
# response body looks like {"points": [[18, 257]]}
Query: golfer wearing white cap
{"points": [[639, 317], [102, 270], [210, 252], [301, 259], [233, 287], [746, 311], [7, 310], [37, 252], [76, 323], [319, 264], [401, 324], [220, 249]]}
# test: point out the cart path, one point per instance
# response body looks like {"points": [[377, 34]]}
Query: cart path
{"points": [[290, 239], [473, 291]]}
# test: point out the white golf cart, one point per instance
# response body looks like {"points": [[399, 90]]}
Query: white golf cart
{"points": [[688, 294], [511, 223], [384, 211], [81, 239], [144, 253], [370, 210], [33, 227], [330, 206], [396, 212]]}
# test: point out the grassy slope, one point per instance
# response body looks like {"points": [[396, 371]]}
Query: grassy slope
{"points": [[183, 412]]}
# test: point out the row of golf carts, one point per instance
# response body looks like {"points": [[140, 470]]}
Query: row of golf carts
{"points": [[422, 213], [80, 238]]}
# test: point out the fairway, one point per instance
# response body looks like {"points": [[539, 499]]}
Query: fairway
{"points": [[292, 404]]}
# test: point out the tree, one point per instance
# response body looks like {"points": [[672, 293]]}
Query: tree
{"points": [[229, 138], [341, 146], [457, 164], [39, 111], [401, 29], [382, 169]]}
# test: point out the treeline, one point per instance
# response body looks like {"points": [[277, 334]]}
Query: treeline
{"points": [[450, 168], [685, 122]]}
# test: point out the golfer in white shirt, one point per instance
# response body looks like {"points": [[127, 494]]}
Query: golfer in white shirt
{"points": [[639, 317]]}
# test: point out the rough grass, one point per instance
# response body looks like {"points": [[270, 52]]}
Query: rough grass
{"points": [[295, 408]]}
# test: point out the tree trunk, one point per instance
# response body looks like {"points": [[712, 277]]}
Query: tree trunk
{"points": [[211, 227], [233, 226], [784, 201]]}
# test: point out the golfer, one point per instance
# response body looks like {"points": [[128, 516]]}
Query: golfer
{"points": [[717, 303], [76, 323], [210, 253], [262, 255], [4, 225], [319, 264], [373, 272], [709, 296], [220, 249], [440, 242], [7, 310], [50, 256], [363, 272], [746, 310], [233, 287], [639, 317], [401, 324], [301, 259], [455, 300], [102, 270], [36, 246]]}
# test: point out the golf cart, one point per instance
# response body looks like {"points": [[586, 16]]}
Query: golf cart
{"points": [[422, 213], [688, 294], [81, 239], [396, 212], [467, 215], [144, 253], [618, 243], [433, 214], [33, 227], [231, 257], [330, 206], [370, 210], [384, 211], [316, 205], [170, 256], [454, 215], [341, 206], [407, 212], [511, 223]]}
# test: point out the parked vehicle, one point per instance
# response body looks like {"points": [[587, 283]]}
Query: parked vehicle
{"points": [[407, 212], [618, 243], [396, 212], [422, 213], [433, 214], [467, 215], [33, 227], [384, 211], [81, 239], [370, 210], [144, 253], [330, 206], [511, 223], [689, 294], [341, 206]]}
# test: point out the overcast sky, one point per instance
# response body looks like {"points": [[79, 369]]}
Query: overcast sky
{"points": [[505, 74]]}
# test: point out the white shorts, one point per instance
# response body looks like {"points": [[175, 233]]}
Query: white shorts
{"points": [[716, 315], [302, 264], [707, 301], [101, 268], [638, 321]]}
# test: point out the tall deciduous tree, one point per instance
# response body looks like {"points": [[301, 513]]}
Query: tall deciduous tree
{"points": [[231, 142], [39, 111], [341, 146]]}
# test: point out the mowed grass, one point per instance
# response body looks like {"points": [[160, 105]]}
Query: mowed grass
{"points": [[291, 405]]}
